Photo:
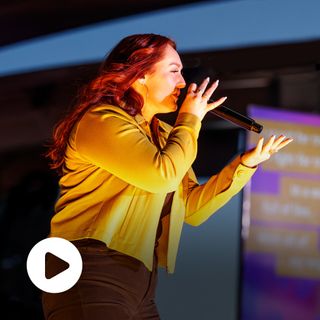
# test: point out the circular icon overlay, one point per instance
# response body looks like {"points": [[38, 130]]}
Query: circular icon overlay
{"points": [[62, 272]]}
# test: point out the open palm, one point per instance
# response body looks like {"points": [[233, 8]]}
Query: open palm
{"points": [[263, 152]]}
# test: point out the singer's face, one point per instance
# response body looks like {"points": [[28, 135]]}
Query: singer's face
{"points": [[163, 84]]}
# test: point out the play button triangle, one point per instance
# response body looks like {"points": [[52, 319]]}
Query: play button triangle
{"points": [[59, 265]]}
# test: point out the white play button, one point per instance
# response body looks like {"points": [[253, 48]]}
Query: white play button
{"points": [[64, 254]]}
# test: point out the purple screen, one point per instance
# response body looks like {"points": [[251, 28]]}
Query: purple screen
{"points": [[281, 222]]}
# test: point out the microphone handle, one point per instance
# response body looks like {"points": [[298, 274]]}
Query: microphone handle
{"points": [[237, 118]]}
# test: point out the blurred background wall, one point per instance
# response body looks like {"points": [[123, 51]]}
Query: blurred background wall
{"points": [[263, 52]]}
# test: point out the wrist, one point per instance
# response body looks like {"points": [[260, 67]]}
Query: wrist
{"points": [[196, 114], [246, 163]]}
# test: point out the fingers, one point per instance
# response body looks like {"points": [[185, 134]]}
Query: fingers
{"points": [[217, 103], [192, 88], [207, 95], [201, 92], [203, 86], [263, 152], [277, 142], [267, 147], [274, 145], [259, 145], [284, 143], [196, 101]]}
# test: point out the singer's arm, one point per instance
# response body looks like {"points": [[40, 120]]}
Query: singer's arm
{"points": [[204, 200]]}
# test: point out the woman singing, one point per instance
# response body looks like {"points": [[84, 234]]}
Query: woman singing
{"points": [[126, 184]]}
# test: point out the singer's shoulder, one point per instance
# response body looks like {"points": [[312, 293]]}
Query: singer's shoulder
{"points": [[101, 114], [109, 110]]}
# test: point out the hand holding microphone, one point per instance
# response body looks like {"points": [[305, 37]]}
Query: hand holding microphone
{"points": [[198, 102]]}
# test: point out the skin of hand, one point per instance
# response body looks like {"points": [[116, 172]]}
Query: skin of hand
{"points": [[196, 101], [263, 152]]}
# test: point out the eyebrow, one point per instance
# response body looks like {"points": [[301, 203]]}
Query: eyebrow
{"points": [[176, 64]]}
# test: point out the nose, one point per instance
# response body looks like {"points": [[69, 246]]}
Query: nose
{"points": [[181, 83]]}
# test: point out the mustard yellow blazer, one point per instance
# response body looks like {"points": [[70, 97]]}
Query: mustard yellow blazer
{"points": [[115, 181]]}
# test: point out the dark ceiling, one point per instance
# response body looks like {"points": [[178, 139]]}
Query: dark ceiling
{"points": [[21, 19]]}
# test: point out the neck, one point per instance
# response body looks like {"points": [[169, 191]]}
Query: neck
{"points": [[147, 114]]}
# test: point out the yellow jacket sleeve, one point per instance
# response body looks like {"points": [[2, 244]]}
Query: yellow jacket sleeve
{"points": [[204, 200], [112, 140]]}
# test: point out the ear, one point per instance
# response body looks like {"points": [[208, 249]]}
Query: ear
{"points": [[142, 80]]}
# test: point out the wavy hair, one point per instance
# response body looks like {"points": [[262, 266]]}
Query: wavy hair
{"points": [[129, 60]]}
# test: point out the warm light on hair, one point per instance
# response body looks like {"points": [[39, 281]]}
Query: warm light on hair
{"points": [[130, 59]]}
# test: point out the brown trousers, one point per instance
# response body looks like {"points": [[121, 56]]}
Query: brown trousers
{"points": [[112, 286]]}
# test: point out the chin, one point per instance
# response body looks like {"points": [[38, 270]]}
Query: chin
{"points": [[175, 107], [169, 107], [172, 108]]}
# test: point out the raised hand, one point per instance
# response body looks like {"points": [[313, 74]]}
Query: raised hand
{"points": [[263, 152], [196, 100]]}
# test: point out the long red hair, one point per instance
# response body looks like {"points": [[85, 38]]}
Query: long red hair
{"points": [[129, 60]]}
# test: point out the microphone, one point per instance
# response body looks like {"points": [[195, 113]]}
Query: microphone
{"points": [[237, 118]]}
